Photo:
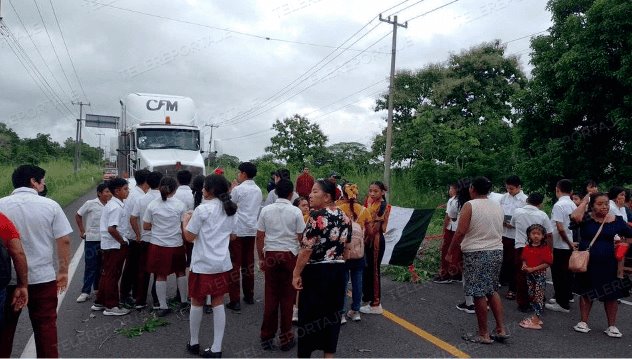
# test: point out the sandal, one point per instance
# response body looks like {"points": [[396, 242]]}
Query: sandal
{"points": [[473, 338], [528, 323], [613, 332], [501, 338], [582, 327], [510, 295]]}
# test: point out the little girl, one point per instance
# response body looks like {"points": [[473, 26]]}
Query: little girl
{"points": [[536, 258]]}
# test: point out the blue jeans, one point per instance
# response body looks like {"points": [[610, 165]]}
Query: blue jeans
{"points": [[355, 268], [92, 272]]}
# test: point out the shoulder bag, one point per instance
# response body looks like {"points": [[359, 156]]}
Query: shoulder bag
{"points": [[578, 262]]}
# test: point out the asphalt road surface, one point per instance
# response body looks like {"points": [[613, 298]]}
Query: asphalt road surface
{"points": [[421, 321]]}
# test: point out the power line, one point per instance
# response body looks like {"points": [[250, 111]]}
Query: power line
{"points": [[242, 33], [346, 97], [432, 10], [523, 37], [53, 46], [244, 136], [347, 105], [67, 52]]}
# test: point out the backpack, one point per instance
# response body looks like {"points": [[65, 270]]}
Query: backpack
{"points": [[5, 266], [355, 248]]}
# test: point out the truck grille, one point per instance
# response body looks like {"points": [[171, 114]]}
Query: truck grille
{"points": [[171, 170]]}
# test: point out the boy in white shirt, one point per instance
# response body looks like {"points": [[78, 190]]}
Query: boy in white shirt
{"points": [[247, 195], [91, 212], [562, 247], [447, 274], [514, 198]]}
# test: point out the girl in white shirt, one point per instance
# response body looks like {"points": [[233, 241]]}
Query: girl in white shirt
{"points": [[166, 254], [209, 228]]}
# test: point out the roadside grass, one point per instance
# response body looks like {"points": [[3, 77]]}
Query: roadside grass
{"points": [[63, 185]]}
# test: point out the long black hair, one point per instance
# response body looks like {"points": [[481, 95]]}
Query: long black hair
{"points": [[463, 191], [196, 186], [218, 186], [327, 187], [168, 185]]}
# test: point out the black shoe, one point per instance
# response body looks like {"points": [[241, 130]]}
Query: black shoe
{"points": [[208, 309], [193, 349], [128, 303], [249, 300], [235, 306], [163, 312], [207, 353], [442, 280], [267, 344], [288, 346]]}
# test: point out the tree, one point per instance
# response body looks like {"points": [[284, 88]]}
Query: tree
{"points": [[225, 160], [576, 110], [455, 118], [296, 140], [345, 157]]}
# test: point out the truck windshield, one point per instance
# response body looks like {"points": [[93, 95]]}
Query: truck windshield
{"points": [[157, 138]]}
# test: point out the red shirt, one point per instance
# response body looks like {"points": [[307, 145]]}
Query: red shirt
{"points": [[304, 184], [7, 230], [534, 256]]}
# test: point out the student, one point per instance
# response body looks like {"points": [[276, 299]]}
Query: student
{"points": [[536, 258], [91, 211], [42, 224], [184, 192], [374, 250], [131, 268], [210, 228], [562, 247], [522, 219], [514, 198], [446, 273], [114, 222], [166, 254], [616, 196], [303, 204], [143, 276], [281, 173], [279, 231], [247, 196]]}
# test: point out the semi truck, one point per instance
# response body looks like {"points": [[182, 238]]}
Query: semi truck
{"points": [[157, 133]]}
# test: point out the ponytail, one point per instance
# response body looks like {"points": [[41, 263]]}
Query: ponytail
{"points": [[168, 185], [218, 186], [230, 207]]}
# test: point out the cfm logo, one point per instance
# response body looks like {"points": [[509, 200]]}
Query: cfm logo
{"points": [[155, 105]]}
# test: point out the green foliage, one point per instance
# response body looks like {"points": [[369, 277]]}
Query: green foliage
{"points": [[224, 161], [576, 111], [296, 140], [426, 264], [150, 325]]}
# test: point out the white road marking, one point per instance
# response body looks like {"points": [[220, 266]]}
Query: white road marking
{"points": [[29, 350]]}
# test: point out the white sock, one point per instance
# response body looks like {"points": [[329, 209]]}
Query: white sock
{"points": [[208, 300], [182, 287], [195, 319], [219, 322], [469, 300], [161, 292]]}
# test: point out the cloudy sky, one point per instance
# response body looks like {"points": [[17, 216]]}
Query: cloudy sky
{"points": [[244, 63]]}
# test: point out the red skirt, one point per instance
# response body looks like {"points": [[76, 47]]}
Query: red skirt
{"points": [[201, 285], [165, 260]]}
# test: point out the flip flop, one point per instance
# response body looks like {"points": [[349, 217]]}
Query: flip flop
{"points": [[528, 323], [501, 338], [473, 338], [510, 295]]}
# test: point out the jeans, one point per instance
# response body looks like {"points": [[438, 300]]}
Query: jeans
{"points": [[355, 269], [92, 272]]}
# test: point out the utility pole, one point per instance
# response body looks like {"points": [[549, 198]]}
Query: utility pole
{"points": [[101, 134], [77, 164], [210, 140], [391, 90]]}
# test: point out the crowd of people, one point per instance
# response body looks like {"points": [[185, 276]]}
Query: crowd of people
{"points": [[492, 240], [205, 231]]}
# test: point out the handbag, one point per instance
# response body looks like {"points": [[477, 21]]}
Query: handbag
{"points": [[578, 262]]}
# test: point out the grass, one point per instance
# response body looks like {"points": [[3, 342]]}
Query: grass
{"points": [[63, 185], [149, 325]]}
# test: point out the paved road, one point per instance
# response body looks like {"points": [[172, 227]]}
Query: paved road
{"points": [[434, 328]]}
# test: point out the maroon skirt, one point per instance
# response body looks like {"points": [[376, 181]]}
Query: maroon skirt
{"points": [[201, 285], [165, 260]]}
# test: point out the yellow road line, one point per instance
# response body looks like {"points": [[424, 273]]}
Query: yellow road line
{"points": [[454, 351]]}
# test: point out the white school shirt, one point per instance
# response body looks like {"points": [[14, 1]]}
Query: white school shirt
{"points": [[452, 210], [91, 213], [495, 196], [526, 216], [272, 197], [40, 221], [139, 211], [561, 212], [615, 210], [281, 221], [248, 198], [185, 194], [135, 194], [165, 218], [213, 229], [114, 214], [509, 204]]}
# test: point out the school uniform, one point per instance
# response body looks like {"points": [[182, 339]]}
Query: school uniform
{"points": [[562, 277], [509, 204], [166, 249], [142, 275], [131, 268], [248, 198], [446, 269], [281, 222], [40, 221], [114, 254], [185, 194], [521, 220], [91, 212], [272, 197]]}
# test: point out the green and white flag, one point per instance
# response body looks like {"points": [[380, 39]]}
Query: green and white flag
{"points": [[405, 231]]}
